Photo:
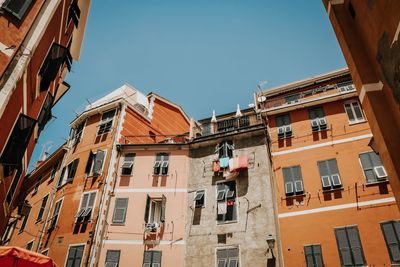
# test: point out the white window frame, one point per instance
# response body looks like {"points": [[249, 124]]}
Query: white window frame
{"points": [[30, 241], [91, 174], [356, 120], [74, 134], [236, 203], [106, 121], [131, 162], [227, 247], [158, 220], [80, 203], [44, 210], [45, 251], [203, 190]]}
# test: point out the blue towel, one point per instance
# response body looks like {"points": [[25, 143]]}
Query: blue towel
{"points": [[224, 162]]}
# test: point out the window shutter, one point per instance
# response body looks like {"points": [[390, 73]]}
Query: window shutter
{"points": [[42, 208], [45, 113], [85, 199], [121, 205], [60, 180], [349, 112], [89, 162], [392, 239], [72, 169], [333, 168], [318, 256], [323, 168], [112, 256], [344, 248], [147, 210], [309, 256], [163, 204], [98, 162], [18, 141], [147, 257], [355, 244], [17, 8], [157, 257]]}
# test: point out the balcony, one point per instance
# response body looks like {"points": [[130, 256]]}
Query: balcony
{"points": [[310, 95], [224, 124]]}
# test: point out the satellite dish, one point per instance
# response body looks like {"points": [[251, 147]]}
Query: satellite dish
{"points": [[261, 98], [251, 105]]}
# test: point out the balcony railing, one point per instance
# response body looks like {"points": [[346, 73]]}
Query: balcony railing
{"points": [[326, 90], [222, 125]]}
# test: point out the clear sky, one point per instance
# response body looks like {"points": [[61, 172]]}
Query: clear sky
{"points": [[202, 55]]}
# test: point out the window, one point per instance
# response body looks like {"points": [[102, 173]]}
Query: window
{"points": [[56, 212], [228, 257], [225, 149], [13, 187], [74, 13], [29, 246], [329, 173], [155, 210], [68, 173], [199, 198], [45, 252], [54, 171], [112, 258], [346, 86], [354, 112], [37, 184], [152, 258], [42, 208], [127, 166], [25, 220], [86, 207], [317, 118], [75, 255], [313, 255], [77, 133], [18, 141], [17, 8], [57, 56], [106, 122], [283, 125], [8, 232], [45, 113], [161, 164], [292, 99], [226, 202], [391, 231], [121, 205], [372, 167], [349, 244], [94, 165], [293, 180]]}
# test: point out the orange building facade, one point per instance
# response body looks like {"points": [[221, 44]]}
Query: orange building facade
{"points": [[38, 42], [368, 34], [335, 206], [73, 229]]}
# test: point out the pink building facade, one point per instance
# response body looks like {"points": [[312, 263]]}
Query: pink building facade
{"points": [[147, 211]]}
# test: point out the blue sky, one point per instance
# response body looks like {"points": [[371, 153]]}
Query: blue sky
{"points": [[202, 55]]}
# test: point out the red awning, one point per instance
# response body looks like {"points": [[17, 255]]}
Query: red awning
{"points": [[16, 257]]}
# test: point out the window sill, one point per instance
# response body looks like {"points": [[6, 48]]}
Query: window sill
{"points": [[357, 122], [332, 190], [377, 183], [162, 175], [117, 224], [128, 175], [294, 196], [228, 222]]}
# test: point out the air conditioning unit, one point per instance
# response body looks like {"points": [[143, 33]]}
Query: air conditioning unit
{"points": [[380, 172], [152, 227]]}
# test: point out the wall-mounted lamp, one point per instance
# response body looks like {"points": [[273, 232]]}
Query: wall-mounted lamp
{"points": [[271, 242]]}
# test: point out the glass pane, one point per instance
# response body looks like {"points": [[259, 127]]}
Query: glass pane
{"points": [[349, 112], [358, 111]]}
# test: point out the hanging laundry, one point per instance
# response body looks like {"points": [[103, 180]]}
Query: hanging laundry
{"points": [[224, 162], [215, 166], [230, 203], [233, 164], [221, 207], [243, 162]]}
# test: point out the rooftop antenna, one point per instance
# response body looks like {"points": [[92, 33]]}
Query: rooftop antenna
{"points": [[46, 150]]}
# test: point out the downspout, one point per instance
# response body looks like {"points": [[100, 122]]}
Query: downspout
{"points": [[52, 195], [95, 249]]}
